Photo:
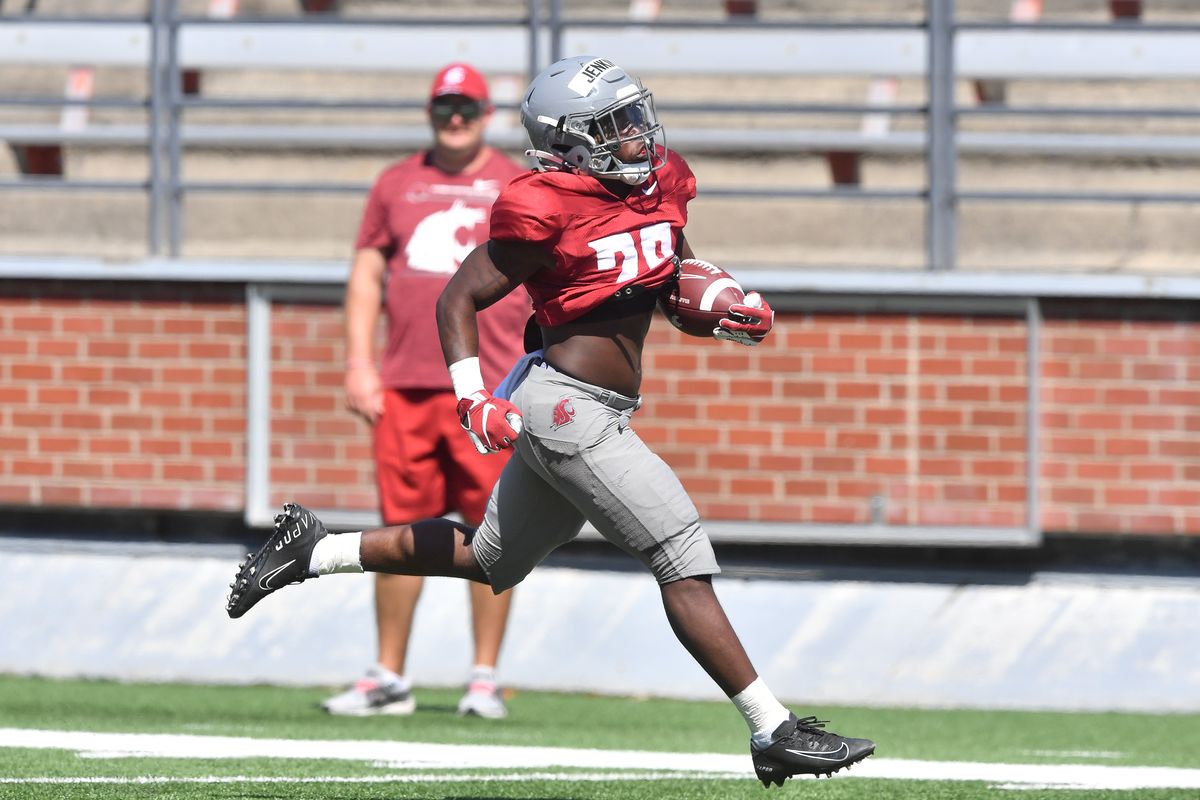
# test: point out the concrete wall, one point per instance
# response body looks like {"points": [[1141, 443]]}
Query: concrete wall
{"points": [[1051, 641]]}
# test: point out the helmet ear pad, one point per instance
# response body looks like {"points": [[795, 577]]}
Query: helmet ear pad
{"points": [[578, 156]]}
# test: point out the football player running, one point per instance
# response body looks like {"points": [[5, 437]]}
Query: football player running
{"points": [[593, 235]]}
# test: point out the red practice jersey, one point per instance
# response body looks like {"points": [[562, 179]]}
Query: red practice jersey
{"points": [[425, 222], [601, 243]]}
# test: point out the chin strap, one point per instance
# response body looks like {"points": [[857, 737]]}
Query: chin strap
{"points": [[637, 174], [542, 157], [575, 159], [634, 178]]}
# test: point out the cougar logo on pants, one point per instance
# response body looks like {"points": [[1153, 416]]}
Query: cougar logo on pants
{"points": [[564, 412]]}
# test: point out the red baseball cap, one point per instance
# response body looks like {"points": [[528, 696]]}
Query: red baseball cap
{"points": [[461, 79]]}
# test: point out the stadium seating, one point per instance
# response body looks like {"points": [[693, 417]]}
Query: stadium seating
{"points": [[732, 152]]}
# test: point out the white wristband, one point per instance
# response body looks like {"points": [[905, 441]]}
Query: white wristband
{"points": [[466, 377]]}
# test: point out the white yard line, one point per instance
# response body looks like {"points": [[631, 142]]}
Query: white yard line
{"points": [[408, 777], [1073, 753], [425, 756]]}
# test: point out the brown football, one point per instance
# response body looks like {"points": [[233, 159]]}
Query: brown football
{"points": [[700, 298]]}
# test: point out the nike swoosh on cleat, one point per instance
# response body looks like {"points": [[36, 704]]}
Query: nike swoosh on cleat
{"points": [[264, 582], [836, 755]]}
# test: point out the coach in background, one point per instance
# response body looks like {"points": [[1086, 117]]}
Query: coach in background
{"points": [[423, 216]]}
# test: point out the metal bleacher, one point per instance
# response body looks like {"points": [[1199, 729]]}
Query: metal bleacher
{"points": [[753, 100]]}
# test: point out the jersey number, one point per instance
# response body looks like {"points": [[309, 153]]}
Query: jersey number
{"points": [[620, 249]]}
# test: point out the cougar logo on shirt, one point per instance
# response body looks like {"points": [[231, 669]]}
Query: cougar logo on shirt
{"points": [[564, 412], [435, 244], [581, 84]]}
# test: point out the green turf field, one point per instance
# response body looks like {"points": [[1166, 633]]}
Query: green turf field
{"points": [[328, 757]]}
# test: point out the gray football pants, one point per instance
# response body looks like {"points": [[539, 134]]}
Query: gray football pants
{"points": [[577, 459]]}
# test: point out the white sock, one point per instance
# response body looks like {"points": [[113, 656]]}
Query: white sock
{"points": [[389, 678], [337, 552], [763, 713]]}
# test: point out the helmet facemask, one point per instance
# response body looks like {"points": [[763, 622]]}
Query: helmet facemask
{"points": [[591, 141], [630, 120]]}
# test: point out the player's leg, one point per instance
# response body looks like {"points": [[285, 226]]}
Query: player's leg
{"points": [[489, 618], [385, 688], [431, 547], [396, 599], [781, 745], [410, 486], [301, 547], [636, 501], [683, 563], [525, 519], [700, 624], [470, 479]]}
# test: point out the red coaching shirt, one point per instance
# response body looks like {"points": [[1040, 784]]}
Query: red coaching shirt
{"points": [[426, 222], [601, 242]]}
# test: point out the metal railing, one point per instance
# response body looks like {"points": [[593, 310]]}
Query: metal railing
{"points": [[939, 49]]}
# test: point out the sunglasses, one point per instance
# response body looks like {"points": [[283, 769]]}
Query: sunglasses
{"points": [[444, 110]]}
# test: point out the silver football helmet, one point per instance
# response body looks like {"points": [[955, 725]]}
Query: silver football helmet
{"points": [[579, 112]]}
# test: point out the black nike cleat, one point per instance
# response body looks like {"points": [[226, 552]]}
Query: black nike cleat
{"points": [[284, 559], [804, 747]]}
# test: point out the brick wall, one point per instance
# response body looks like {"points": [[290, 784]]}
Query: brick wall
{"points": [[122, 395], [1122, 417], [320, 453], [846, 419], [132, 395]]}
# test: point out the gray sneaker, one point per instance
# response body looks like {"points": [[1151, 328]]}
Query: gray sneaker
{"points": [[482, 704], [483, 697], [370, 696]]}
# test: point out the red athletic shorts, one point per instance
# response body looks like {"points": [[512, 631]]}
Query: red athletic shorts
{"points": [[425, 464]]}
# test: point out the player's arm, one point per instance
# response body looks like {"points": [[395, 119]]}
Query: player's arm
{"points": [[490, 272], [749, 322], [364, 294]]}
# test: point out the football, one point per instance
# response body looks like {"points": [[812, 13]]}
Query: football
{"points": [[700, 298]]}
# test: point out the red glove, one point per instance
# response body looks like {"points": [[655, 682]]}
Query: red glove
{"points": [[493, 424], [748, 323]]}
